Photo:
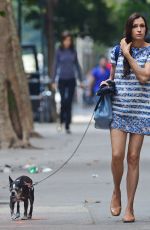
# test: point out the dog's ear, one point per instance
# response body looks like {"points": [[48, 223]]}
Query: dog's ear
{"points": [[10, 180]]}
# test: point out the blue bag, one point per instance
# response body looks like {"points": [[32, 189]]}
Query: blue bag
{"points": [[103, 113], [103, 109]]}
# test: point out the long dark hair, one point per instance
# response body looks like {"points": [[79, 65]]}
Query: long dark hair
{"points": [[128, 36], [65, 35]]}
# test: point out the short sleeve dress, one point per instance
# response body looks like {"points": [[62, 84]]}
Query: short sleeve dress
{"points": [[131, 103]]}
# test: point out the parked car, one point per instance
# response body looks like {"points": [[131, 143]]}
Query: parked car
{"points": [[40, 95]]}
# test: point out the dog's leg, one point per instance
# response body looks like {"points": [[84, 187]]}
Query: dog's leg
{"points": [[18, 210], [12, 207], [31, 203], [25, 210]]}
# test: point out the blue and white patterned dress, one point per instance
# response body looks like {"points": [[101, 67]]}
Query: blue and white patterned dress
{"points": [[131, 103]]}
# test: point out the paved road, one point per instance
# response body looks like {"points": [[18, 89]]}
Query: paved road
{"points": [[79, 196]]}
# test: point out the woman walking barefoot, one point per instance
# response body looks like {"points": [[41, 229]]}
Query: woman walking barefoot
{"points": [[131, 110]]}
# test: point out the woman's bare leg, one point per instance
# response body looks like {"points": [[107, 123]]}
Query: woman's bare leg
{"points": [[133, 157], [118, 141]]}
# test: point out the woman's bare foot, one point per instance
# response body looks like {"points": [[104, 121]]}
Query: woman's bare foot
{"points": [[115, 206]]}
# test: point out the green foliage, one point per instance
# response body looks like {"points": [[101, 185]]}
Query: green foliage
{"points": [[82, 16], [85, 16], [121, 12], [102, 19]]}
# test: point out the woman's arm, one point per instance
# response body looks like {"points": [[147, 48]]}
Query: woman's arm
{"points": [[112, 75], [142, 74], [112, 72]]}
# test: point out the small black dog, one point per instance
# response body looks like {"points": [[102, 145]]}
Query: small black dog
{"points": [[21, 190]]}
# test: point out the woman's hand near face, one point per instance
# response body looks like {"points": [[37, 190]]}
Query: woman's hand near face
{"points": [[142, 74], [125, 47]]}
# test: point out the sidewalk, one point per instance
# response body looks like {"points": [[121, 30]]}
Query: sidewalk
{"points": [[78, 197]]}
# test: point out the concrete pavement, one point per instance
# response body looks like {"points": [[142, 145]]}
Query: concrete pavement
{"points": [[78, 197]]}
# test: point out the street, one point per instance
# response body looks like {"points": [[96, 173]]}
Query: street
{"points": [[57, 58], [78, 197]]}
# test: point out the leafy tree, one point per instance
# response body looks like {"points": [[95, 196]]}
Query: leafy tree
{"points": [[86, 16], [82, 16], [102, 19]]}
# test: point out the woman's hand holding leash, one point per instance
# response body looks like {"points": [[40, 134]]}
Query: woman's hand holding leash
{"points": [[104, 83]]}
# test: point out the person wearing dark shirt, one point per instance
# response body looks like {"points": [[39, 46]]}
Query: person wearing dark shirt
{"points": [[66, 68], [98, 74]]}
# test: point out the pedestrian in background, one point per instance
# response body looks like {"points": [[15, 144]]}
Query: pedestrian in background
{"points": [[131, 110], [98, 74], [66, 69]]}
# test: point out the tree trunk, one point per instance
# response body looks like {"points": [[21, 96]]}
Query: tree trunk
{"points": [[16, 122], [51, 44], [50, 34]]}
